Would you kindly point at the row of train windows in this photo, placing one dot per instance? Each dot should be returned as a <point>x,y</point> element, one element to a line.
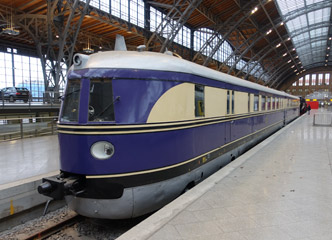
<point>266,102</point>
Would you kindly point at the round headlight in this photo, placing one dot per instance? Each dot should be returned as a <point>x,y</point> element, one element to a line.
<point>102,150</point>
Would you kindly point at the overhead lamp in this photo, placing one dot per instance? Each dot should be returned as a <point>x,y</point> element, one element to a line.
<point>268,32</point>
<point>288,39</point>
<point>330,38</point>
<point>289,61</point>
<point>297,57</point>
<point>278,45</point>
<point>295,70</point>
<point>293,49</point>
<point>297,73</point>
<point>327,55</point>
<point>285,54</point>
<point>254,10</point>
<point>282,23</point>
<point>293,66</point>
<point>328,47</point>
<point>11,31</point>
<point>88,49</point>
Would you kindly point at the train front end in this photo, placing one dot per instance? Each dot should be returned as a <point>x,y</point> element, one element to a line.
<point>105,147</point>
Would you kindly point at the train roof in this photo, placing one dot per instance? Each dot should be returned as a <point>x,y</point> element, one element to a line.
<point>163,62</point>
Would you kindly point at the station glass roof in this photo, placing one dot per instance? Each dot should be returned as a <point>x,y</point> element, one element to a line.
<point>308,23</point>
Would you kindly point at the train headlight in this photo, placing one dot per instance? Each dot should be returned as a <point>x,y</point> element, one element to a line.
<point>102,150</point>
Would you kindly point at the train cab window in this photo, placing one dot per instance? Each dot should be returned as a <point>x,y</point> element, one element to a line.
<point>101,102</point>
<point>199,101</point>
<point>263,102</point>
<point>256,103</point>
<point>268,103</point>
<point>71,101</point>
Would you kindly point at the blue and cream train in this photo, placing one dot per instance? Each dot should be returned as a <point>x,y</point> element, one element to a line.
<point>136,129</point>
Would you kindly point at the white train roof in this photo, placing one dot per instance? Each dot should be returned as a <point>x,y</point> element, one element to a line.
<point>162,62</point>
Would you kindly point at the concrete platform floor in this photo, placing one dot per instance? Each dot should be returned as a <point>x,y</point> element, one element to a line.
<point>26,158</point>
<point>279,190</point>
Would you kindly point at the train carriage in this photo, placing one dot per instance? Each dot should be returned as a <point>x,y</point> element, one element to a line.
<point>137,129</point>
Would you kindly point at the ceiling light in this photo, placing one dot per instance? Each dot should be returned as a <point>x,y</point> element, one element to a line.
<point>254,10</point>
<point>288,39</point>
<point>293,49</point>
<point>328,47</point>
<point>297,57</point>
<point>278,45</point>
<point>295,70</point>
<point>289,61</point>
<point>330,38</point>
<point>11,31</point>
<point>285,54</point>
<point>293,66</point>
<point>88,49</point>
<point>282,23</point>
<point>297,74</point>
<point>268,32</point>
<point>325,65</point>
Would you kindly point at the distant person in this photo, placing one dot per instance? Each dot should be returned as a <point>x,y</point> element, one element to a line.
<point>308,109</point>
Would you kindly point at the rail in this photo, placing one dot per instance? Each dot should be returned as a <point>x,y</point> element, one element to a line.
<point>27,127</point>
<point>322,119</point>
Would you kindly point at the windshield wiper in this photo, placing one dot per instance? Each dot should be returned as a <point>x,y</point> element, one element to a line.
<point>107,107</point>
<point>70,93</point>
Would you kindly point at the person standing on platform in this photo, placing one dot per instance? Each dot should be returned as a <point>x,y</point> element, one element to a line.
<point>309,108</point>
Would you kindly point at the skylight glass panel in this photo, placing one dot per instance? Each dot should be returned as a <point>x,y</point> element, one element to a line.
<point>300,38</point>
<point>287,6</point>
<point>310,27</point>
<point>309,2</point>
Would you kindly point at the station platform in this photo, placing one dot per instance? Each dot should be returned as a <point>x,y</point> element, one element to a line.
<point>279,190</point>
<point>26,158</point>
<point>23,163</point>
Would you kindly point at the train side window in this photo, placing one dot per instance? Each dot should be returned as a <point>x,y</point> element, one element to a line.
<point>256,103</point>
<point>277,103</point>
<point>199,101</point>
<point>228,102</point>
<point>273,103</point>
<point>248,102</point>
<point>233,104</point>
<point>268,103</point>
<point>263,102</point>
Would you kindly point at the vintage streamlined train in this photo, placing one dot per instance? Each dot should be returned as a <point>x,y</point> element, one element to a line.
<point>136,129</point>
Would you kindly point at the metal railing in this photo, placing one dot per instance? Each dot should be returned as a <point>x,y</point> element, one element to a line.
<point>27,127</point>
<point>323,119</point>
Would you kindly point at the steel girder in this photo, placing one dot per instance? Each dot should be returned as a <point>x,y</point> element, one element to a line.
<point>54,36</point>
<point>169,27</point>
<point>218,30</point>
<point>62,36</point>
<point>261,35</point>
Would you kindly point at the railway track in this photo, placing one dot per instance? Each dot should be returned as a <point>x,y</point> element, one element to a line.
<point>66,224</point>
<point>52,228</point>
